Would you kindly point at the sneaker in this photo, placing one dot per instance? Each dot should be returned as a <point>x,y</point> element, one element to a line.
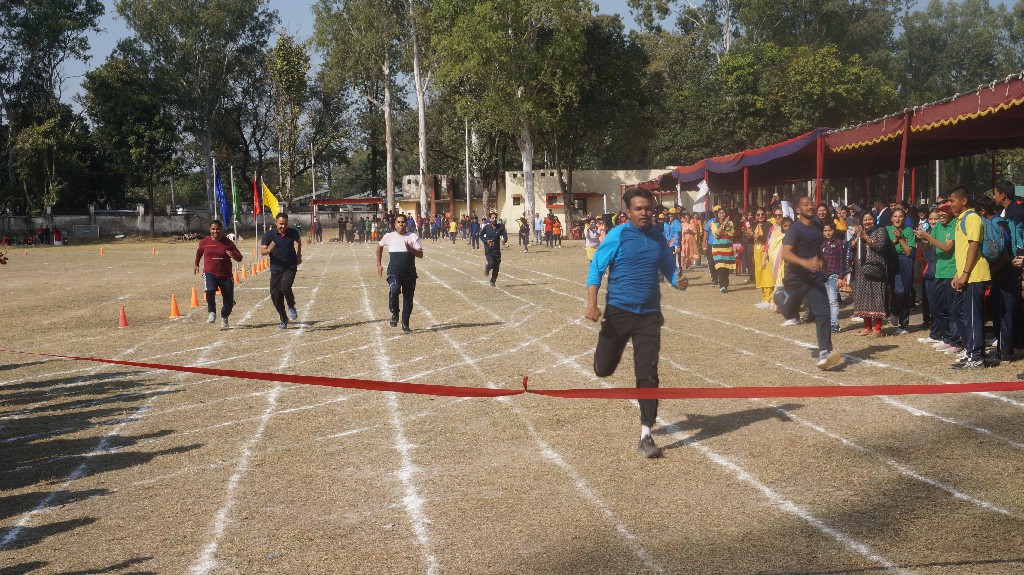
<point>992,342</point>
<point>211,317</point>
<point>762,305</point>
<point>928,340</point>
<point>492,283</point>
<point>723,289</point>
<point>969,364</point>
<point>900,331</point>
<point>394,320</point>
<point>961,355</point>
<point>293,313</point>
<point>829,359</point>
<point>940,346</point>
<point>405,328</point>
<point>954,350</point>
<point>648,448</point>
<point>790,322</point>
<point>282,325</point>
<point>835,329</point>
<point>487,271</point>
<point>224,323</point>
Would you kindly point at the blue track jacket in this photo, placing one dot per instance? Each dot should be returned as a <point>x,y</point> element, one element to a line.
<point>633,258</point>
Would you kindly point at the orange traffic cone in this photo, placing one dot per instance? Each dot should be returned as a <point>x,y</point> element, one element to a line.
<point>122,321</point>
<point>195,298</point>
<point>236,276</point>
<point>154,251</point>
<point>101,251</point>
<point>243,276</point>
<point>218,290</point>
<point>175,314</point>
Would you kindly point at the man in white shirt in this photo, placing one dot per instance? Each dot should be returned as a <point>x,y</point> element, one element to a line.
<point>403,249</point>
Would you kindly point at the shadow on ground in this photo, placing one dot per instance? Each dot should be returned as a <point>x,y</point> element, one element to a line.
<point>709,426</point>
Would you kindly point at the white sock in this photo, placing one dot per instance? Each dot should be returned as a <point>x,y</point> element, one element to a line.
<point>644,431</point>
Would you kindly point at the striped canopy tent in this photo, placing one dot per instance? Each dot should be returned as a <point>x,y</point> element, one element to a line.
<point>987,119</point>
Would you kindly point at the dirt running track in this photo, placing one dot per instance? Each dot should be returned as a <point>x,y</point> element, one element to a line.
<point>108,469</point>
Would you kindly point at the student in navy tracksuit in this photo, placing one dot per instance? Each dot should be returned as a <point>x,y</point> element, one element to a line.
<point>634,254</point>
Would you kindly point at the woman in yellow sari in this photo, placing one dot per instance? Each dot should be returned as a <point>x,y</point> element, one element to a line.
<point>763,278</point>
<point>774,253</point>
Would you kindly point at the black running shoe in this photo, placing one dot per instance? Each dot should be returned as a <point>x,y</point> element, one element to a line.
<point>394,320</point>
<point>648,448</point>
<point>405,328</point>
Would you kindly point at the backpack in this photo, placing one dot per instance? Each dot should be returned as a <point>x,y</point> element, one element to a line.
<point>993,241</point>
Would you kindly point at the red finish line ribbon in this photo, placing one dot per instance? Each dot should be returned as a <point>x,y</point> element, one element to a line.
<point>795,391</point>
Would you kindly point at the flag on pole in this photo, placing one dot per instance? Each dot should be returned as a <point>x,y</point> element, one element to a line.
<point>234,194</point>
<point>269,201</point>
<point>222,200</point>
<point>255,199</point>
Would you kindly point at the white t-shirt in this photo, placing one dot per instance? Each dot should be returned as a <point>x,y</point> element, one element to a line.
<point>401,261</point>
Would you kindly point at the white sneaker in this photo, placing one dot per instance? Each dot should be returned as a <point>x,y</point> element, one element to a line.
<point>762,305</point>
<point>790,322</point>
<point>224,323</point>
<point>829,359</point>
<point>212,317</point>
<point>928,340</point>
<point>900,331</point>
<point>992,342</point>
<point>940,345</point>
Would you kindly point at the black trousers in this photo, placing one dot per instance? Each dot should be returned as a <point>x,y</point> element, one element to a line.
<point>227,289</point>
<point>723,274</point>
<point>407,288</point>
<point>493,263</point>
<point>816,295</point>
<point>281,291</point>
<point>618,327</point>
<point>1006,297</point>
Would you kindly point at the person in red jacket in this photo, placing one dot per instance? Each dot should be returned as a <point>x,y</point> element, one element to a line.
<point>218,251</point>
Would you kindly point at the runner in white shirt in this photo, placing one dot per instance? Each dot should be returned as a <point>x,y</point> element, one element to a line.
<point>403,249</point>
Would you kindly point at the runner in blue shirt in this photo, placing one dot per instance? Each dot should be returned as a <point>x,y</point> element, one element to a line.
<point>634,254</point>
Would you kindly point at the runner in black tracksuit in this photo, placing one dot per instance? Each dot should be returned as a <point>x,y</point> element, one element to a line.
<point>491,234</point>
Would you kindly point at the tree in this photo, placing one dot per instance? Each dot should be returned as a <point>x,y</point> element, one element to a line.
<point>614,91</point>
<point>419,48</point>
<point>36,40</point>
<point>290,67</point>
<point>200,47</point>
<point>133,122</point>
<point>360,41</point>
<point>512,63</point>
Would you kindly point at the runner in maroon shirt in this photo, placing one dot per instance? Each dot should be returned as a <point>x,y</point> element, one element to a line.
<point>218,251</point>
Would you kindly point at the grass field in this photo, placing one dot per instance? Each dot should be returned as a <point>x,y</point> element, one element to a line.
<point>108,469</point>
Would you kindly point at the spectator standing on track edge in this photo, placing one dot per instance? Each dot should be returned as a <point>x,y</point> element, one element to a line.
<point>491,234</point>
<point>403,249</point>
<point>633,254</point>
<point>284,246</point>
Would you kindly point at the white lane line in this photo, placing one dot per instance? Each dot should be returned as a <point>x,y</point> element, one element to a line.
<point>207,561</point>
<point>100,447</point>
<point>782,504</point>
<point>777,500</point>
<point>901,468</point>
<point>633,542</point>
<point>407,472</point>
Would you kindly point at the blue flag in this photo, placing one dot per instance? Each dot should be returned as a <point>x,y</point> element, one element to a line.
<point>222,200</point>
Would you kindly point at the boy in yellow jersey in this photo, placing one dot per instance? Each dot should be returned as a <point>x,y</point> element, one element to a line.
<point>972,278</point>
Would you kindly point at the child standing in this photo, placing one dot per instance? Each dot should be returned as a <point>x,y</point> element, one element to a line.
<point>834,253</point>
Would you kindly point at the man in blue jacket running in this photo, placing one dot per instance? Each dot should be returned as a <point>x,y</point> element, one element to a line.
<point>634,255</point>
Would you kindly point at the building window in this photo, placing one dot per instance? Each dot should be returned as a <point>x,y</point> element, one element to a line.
<point>516,200</point>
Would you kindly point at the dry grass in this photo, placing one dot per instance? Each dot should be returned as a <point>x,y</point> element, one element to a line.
<point>120,470</point>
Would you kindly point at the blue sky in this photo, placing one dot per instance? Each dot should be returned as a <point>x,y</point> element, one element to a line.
<point>296,17</point>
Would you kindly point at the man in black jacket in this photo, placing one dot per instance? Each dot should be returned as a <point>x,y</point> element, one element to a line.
<point>490,235</point>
